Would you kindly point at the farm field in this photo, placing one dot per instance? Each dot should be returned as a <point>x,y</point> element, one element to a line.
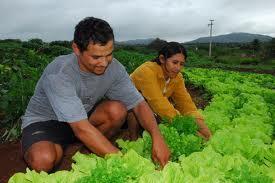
<point>239,109</point>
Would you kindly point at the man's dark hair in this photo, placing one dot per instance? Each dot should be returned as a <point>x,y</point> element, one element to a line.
<point>92,30</point>
<point>170,49</point>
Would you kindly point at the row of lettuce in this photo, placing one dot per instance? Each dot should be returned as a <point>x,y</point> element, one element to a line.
<point>241,116</point>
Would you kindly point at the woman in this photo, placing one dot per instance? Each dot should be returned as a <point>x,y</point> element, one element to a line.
<point>162,85</point>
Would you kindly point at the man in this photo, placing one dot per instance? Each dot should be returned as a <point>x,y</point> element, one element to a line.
<point>68,90</point>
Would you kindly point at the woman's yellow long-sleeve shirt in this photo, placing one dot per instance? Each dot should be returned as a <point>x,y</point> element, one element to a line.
<point>149,80</point>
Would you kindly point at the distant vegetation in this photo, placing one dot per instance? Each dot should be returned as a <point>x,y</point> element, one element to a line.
<point>254,55</point>
<point>22,63</point>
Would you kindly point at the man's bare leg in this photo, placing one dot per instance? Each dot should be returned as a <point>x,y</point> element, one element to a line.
<point>108,117</point>
<point>43,155</point>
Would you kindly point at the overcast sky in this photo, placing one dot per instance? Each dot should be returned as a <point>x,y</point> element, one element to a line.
<point>172,20</point>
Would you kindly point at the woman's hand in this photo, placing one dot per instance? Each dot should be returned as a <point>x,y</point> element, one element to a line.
<point>203,131</point>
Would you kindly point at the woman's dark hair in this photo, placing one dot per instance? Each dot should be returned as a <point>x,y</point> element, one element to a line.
<point>170,49</point>
<point>93,30</point>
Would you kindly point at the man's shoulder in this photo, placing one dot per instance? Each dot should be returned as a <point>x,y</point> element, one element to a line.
<point>115,64</point>
<point>62,60</point>
<point>61,65</point>
<point>115,68</point>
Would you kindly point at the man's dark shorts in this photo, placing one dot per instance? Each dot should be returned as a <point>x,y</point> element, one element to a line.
<point>54,131</point>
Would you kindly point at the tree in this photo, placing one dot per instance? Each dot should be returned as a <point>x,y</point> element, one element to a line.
<point>256,45</point>
<point>34,44</point>
<point>36,41</point>
<point>271,48</point>
<point>67,44</point>
<point>157,44</point>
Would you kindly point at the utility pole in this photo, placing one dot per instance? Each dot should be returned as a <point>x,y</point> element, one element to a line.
<point>210,40</point>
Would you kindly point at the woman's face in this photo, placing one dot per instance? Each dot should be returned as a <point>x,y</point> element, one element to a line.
<point>173,65</point>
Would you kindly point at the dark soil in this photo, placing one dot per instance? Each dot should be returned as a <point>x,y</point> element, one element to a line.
<point>11,160</point>
<point>272,72</point>
<point>250,70</point>
<point>199,96</point>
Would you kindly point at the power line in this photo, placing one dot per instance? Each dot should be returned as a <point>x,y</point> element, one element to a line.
<point>210,39</point>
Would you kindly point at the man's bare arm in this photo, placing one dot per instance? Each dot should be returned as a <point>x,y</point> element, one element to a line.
<point>92,138</point>
<point>145,116</point>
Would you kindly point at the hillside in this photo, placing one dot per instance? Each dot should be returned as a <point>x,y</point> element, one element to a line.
<point>233,38</point>
<point>136,42</point>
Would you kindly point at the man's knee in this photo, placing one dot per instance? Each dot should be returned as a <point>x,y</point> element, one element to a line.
<point>42,159</point>
<point>117,112</point>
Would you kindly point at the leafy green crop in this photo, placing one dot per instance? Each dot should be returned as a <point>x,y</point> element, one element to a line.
<point>184,125</point>
<point>179,143</point>
<point>241,116</point>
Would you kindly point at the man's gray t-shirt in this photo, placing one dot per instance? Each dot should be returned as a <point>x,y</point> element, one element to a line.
<point>67,94</point>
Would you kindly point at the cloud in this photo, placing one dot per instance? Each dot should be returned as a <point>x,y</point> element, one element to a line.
<point>131,19</point>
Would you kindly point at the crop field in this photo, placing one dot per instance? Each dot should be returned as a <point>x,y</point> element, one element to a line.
<point>241,116</point>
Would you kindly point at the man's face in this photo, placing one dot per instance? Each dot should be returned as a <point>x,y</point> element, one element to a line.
<point>96,58</point>
<point>173,65</point>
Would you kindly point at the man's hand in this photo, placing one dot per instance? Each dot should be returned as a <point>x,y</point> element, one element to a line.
<point>203,131</point>
<point>145,116</point>
<point>160,151</point>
